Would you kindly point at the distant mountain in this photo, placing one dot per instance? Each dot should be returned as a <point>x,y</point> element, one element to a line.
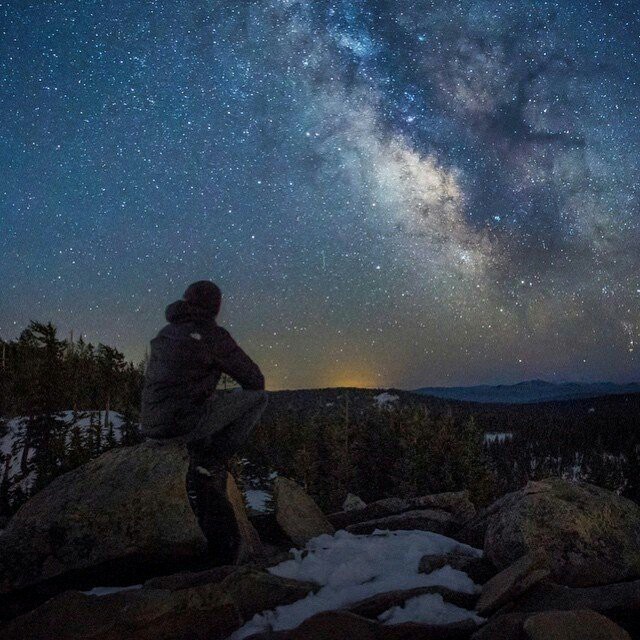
<point>530,391</point>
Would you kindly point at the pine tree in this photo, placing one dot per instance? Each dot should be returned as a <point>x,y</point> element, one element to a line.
<point>110,364</point>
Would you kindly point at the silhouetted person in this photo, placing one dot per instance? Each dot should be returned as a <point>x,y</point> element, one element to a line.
<point>180,401</point>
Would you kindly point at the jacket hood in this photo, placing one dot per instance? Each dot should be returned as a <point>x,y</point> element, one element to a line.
<point>182,311</point>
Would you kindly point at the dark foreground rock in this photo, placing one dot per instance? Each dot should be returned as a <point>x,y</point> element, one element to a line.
<point>620,602</point>
<point>344,625</point>
<point>480,570</point>
<point>194,610</point>
<point>503,627</point>
<point>511,583</point>
<point>125,513</point>
<point>200,613</point>
<point>373,606</point>
<point>453,507</point>
<point>572,625</point>
<point>590,535</point>
<point>611,599</point>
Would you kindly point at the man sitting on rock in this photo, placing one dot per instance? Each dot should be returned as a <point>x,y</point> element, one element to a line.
<point>179,399</point>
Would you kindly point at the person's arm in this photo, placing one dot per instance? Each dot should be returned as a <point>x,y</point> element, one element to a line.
<point>233,361</point>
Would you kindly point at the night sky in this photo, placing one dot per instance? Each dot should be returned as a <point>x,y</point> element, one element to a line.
<point>389,193</point>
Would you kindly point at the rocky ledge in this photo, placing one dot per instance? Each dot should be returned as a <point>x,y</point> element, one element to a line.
<point>555,561</point>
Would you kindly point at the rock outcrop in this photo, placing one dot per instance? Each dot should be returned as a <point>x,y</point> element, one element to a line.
<point>297,514</point>
<point>590,535</point>
<point>480,570</point>
<point>511,583</point>
<point>250,546</point>
<point>205,611</point>
<point>130,507</point>
<point>445,511</point>
<point>373,606</point>
<point>125,512</point>
<point>199,613</point>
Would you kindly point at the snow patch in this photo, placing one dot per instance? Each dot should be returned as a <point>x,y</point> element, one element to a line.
<point>384,399</point>
<point>257,500</point>
<point>350,568</point>
<point>429,609</point>
<point>497,436</point>
<point>105,591</point>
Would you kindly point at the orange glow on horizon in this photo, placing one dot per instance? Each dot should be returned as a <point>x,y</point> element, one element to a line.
<point>359,379</point>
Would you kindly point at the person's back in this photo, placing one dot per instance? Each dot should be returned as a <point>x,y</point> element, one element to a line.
<point>180,402</point>
<point>187,358</point>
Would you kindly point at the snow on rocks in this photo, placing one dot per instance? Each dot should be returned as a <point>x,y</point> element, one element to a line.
<point>257,500</point>
<point>352,502</point>
<point>107,591</point>
<point>351,568</point>
<point>429,608</point>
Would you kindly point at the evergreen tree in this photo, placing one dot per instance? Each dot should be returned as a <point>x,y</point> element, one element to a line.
<point>110,365</point>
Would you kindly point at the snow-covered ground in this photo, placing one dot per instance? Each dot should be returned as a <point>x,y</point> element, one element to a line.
<point>350,568</point>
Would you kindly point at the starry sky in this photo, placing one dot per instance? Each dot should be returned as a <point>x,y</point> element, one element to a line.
<point>388,192</point>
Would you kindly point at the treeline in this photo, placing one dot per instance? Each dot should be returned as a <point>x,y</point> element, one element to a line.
<point>340,441</point>
<point>374,452</point>
<point>65,401</point>
<point>42,373</point>
<point>43,379</point>
<point>595,450</point>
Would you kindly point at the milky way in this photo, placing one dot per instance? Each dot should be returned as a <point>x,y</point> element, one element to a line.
<point>389,192</point>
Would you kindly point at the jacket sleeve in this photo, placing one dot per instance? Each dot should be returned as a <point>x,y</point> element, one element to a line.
<point>233,361</point>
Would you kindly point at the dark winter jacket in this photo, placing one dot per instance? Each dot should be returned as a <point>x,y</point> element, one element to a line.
<point>187,358</point>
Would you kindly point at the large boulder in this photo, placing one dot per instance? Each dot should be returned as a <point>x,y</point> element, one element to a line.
<point>250,546</point>
<point>502,627</point>
<point>330,625</point>
<point>116,518</point>
<point>573,625</point>
<point>590,536</point>
<point>297,514</point>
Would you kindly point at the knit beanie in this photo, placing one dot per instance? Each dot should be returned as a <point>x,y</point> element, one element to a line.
<point>205,295</point>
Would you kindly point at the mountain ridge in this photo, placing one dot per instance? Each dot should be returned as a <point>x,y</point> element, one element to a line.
<point>529,391</point>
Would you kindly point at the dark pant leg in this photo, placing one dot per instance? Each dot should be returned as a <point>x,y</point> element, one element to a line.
<point>231,438</point>
<point>227,424</point>
<point>229,421</point>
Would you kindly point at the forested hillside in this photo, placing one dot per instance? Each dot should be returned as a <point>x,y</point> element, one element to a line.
<point>65,401</point>
<point>58,404</point>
